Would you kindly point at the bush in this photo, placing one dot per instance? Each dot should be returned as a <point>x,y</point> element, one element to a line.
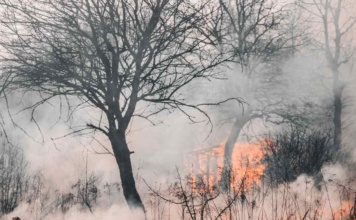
<point>294,152</point>
<point>13,178</point>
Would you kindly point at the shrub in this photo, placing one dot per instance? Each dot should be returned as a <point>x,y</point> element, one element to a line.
<point>13,177</point>
<point>294,152</point>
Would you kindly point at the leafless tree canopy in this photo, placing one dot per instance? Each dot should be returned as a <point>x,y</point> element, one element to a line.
<point>111,54</point>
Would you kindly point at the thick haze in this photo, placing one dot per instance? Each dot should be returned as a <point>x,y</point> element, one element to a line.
<point>158,150</point>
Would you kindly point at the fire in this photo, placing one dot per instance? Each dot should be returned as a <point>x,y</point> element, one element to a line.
<point>344,210</point>
<point>207,163</point>
<point>247,166</point>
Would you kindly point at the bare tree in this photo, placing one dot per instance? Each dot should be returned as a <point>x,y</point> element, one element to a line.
<point>256,34</point>
<point>126,58</point>
<point>335,24</point>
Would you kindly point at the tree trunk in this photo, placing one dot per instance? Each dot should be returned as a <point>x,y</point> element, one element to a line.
<point>337,93</point>
<point>229,148</point>
<point>122,156</point>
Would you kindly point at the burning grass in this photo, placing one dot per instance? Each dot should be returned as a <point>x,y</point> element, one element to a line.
<point>310,188</point>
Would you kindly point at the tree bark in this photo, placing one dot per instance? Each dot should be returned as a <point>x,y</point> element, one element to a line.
<point>229,148</point>
<point>122,156</point>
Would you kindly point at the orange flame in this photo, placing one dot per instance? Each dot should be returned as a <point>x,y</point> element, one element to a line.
<point>207,164</point>
<point>344,210</point>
